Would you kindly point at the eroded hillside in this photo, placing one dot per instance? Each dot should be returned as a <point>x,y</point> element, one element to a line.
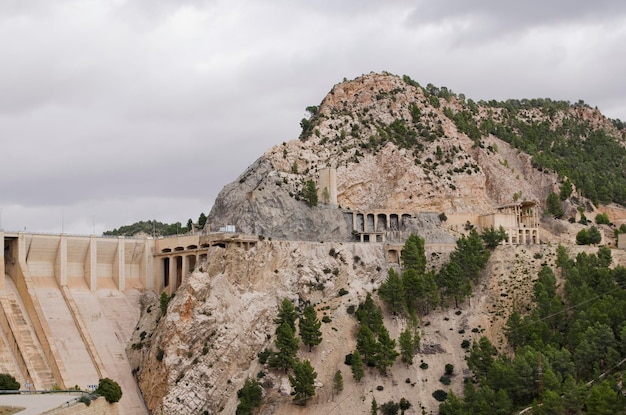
<point>395,146</point>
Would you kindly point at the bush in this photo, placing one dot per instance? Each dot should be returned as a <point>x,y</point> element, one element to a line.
<point>342,292</point>
<point>465,344</point>
<point>440,395</point>
<point>602,219</point>
<point>445,380</point>
<point>449,369</point>
<point>8,382</point>
<point>424,365</point>
<point>264,355</point>
<point>85,399</point>
<point>164,301</point>
<point>110,389</point>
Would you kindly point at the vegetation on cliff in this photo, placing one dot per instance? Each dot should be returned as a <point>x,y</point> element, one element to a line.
<point>572,335</point>
<point>573,140</point>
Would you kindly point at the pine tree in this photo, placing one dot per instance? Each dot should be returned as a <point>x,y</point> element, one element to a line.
<point>413,254</point>
<point>367,345</point>
<point>369,314</point>
<point>303,382</point>
<point>309,326</point>
<point>250,397</point>
<point>358,370</point>
<point>309,193</point>
<point>287,345</point>
<point>407,347</point>
<point>337,383</point>
<point>553,205</point>
<point>374,408</point>
<point>413,284</point>
<point>387,353</point>
<point>392,292</point>
<point>286,313</point>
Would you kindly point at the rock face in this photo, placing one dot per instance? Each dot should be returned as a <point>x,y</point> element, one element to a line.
<point>201,351</point>
<point>394,147</point>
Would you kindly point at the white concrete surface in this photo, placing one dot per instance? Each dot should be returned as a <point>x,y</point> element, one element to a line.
<point>35,404</point>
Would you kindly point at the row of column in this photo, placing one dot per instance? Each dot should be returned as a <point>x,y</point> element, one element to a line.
<point>377,222</point>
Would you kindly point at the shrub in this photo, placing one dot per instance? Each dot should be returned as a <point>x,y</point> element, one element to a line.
<point>440,395</point>
<point>449,369</point>
<point>8,382</point>
<point>602,219</point>
<point>160,355</point>
<point>445,380</point>
<point>110,389</point>
<point>424,365</point>
<point>465,344</point>
<point>164,300</point>
<point>85,399</point>
<point>263,356</point>
<point>342,291</point>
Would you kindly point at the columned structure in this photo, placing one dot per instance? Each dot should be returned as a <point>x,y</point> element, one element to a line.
<point>371,226</point>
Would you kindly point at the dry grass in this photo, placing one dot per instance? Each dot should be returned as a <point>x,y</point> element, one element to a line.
<point>9,410</point>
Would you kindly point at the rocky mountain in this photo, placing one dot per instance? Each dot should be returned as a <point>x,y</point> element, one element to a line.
<point>393,146</point>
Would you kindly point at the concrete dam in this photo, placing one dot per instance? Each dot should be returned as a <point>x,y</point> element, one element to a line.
<point>69,304</point>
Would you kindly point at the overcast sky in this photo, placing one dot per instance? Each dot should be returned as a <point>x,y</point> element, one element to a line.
<point>115,111</point>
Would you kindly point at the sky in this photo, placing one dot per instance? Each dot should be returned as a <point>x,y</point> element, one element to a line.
<point>116,111</point>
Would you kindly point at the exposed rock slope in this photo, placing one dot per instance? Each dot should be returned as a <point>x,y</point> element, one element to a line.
<point>395,147</point>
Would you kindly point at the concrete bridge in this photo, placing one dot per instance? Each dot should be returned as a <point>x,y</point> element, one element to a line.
<point>69,304</point>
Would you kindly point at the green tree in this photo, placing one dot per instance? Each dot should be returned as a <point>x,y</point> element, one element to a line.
<point>374,407</point>
<point>566,190</point>
<point>386,354</point>
<point>470,254</point>
<point>594,236</point>
<point>110,389</point>
<point>407,347</point>
<point>202,220</point>
<point>8,382</point>
<point>414,290</point>
<point>603,400</point>
<point>413,254</point>
<point>582,237</point>
<point>250,397</point>
<point>392,292</point>
<point>481,357</point>
<point>390,408</point>
<point>358,370</point>
<point>574,395</point>
<point>337,383</point>
<point>553,206</point>
<point>303,382</point>
<point>455,284</point>
<point>309,326</point>
<point>369,314</point>
<point>602,219</point>
<point>287,345</point>
<point>286,314</point>
<point>493,237</point>
<point>309,193</point>
<point>367,345</point>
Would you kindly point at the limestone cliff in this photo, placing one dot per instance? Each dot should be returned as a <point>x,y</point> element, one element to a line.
<point>395,147</point>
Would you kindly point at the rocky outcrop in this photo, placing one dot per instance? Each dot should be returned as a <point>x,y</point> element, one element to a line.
<point>394,147</point>
<point>200,352</point>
